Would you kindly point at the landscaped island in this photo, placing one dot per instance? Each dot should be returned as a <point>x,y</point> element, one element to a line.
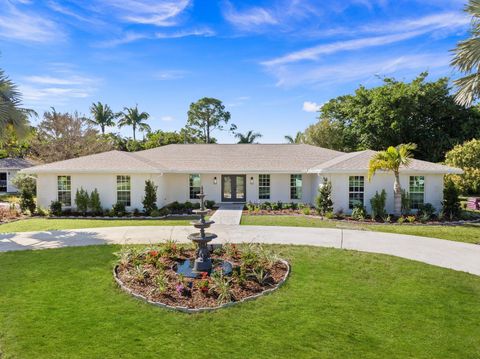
<point>151,273</point>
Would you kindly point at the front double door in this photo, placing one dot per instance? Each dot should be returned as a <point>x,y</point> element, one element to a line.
<point>234,188</point>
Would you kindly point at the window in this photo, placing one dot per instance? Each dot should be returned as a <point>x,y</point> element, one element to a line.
<point>417,191</point>
<point>194,183</point>
<point>264,186</point>
<point>3,181</point>
<point>356,188</point>
<point>123,190</point>
<point>295,186</point>
<point>64,185</point>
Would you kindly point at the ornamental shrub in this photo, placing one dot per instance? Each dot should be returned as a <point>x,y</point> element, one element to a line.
<point>405,202</point>
<point>82,200</point>
<point>378,205</point>
<point>150,200</point>
<point>27,201</point>
<point>323,201</point>
<point>118,209</point>
<point>95,205</point>
<point>451,203</point>
<point>359,212</point>
<point>56,208</point>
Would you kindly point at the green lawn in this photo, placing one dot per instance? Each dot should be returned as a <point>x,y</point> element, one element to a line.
<point>63,303</point>
<point>45,224</point>
<point>465,233</point>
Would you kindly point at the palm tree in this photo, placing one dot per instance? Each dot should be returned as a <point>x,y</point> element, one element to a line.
<point>248,137</point>
<point>103,116</point>
<point>132,117</point>
<point>391,160</point>
<point>299,138</point>
<point>11,112</point>
<point>467,60</point>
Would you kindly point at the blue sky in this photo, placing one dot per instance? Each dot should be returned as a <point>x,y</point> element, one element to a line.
<point>272,63</point>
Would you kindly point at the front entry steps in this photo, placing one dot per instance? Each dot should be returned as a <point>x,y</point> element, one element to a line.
<point>228,213</point>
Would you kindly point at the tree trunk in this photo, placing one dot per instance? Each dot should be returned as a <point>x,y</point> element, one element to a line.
<point>208,134</point>
<point>397,196</point>
<point>134,133</point>
<point>103,129</point>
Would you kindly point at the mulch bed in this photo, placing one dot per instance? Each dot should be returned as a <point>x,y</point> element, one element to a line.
<point>195,298</point>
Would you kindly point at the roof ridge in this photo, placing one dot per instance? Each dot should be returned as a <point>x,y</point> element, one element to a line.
<point>336,160</point>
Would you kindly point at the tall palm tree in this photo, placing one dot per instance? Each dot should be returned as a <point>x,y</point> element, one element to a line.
<point>11,112</point>
<point>467,59</point>
<point>132,117</point>
<point>299,138</point>
<point>391,160</point>
<point>248,137</point>
<point>103,116</point>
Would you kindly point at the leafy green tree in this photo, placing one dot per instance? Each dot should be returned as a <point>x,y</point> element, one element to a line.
<point>61,136</point>
<point>103,116</point>
<point>25,182</point>
<point>134,118</point>
<point>13,145</point>
<point>467,59</point>
<point>323,201</point>
<point>397,112</point>
<point>299,138</point>
<point>451,202</point>
<point>391,160</point>
<point>11,111</point>
<point>205,116</point>
<point>466,157</point>
<point>325,134</point>
<point>27,201</point>
<point>248,137</point>
<point>162,138</point>
<point>150,200</point>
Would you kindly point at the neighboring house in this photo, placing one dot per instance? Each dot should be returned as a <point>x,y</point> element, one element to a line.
<point>9,167</point>
<point>234,173</point>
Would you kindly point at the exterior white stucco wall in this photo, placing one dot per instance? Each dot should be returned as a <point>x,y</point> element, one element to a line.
<point>175,187</point>
<point>433,189</point>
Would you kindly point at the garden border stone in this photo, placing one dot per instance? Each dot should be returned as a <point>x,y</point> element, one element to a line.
<point>203,309</point>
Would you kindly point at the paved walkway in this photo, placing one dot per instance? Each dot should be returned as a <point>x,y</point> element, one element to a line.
<point>228,214</point>
<point>448,254</point>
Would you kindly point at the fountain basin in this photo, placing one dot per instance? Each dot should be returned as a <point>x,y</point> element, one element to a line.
<point>197,237</point>
<point>200,224</point>
<point>186,268</point>
<point>201,212</point>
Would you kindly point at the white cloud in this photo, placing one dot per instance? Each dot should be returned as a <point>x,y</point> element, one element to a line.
<point>250,18</point>
<point>165,75</point>
<point>57,88</point>
<point>309,106</point>
<point>393,32</point>
<point>206,32</point>
<point>167,118</point>
<point>360,70</point>
<point>125,39</point>
<point>149,12</point>
<point>24,25</point>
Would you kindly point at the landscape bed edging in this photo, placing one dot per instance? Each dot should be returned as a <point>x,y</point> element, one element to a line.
<point>202,309</point>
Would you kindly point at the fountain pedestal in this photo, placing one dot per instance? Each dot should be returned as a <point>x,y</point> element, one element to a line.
<point>202,262</point>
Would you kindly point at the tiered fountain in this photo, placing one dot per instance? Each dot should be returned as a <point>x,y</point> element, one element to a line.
<point>202,262</point>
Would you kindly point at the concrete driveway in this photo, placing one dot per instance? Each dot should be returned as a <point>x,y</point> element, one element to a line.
<point>448,254</point>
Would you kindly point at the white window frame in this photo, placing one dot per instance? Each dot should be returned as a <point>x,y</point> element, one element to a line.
<point>121,188</point>
<point>357,190</point>
<point>416,191</point>
<point>194,190</point>
<point>65,191</point>
<point>296,192</point>
<point>264,183</point>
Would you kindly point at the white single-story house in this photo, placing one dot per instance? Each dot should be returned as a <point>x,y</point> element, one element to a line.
<point>9,167</point>
<point>234,173</point>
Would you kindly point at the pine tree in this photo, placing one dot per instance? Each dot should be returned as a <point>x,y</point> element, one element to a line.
<point>150,200</point>
<point>323,202</point>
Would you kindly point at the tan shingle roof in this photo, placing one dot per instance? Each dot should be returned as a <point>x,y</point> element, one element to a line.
<point>222,158</point>
<point>242,158</point>
<point>358,161</point>
<point>105,162</point>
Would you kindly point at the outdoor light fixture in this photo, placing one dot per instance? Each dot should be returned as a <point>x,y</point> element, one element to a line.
<point>214,180</point>
<point>251,180</point>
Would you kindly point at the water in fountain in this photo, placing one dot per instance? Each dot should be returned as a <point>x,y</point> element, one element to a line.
<point>202,262</point>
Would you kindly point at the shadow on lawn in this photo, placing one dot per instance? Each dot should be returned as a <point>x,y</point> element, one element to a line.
<point>47,239</point>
